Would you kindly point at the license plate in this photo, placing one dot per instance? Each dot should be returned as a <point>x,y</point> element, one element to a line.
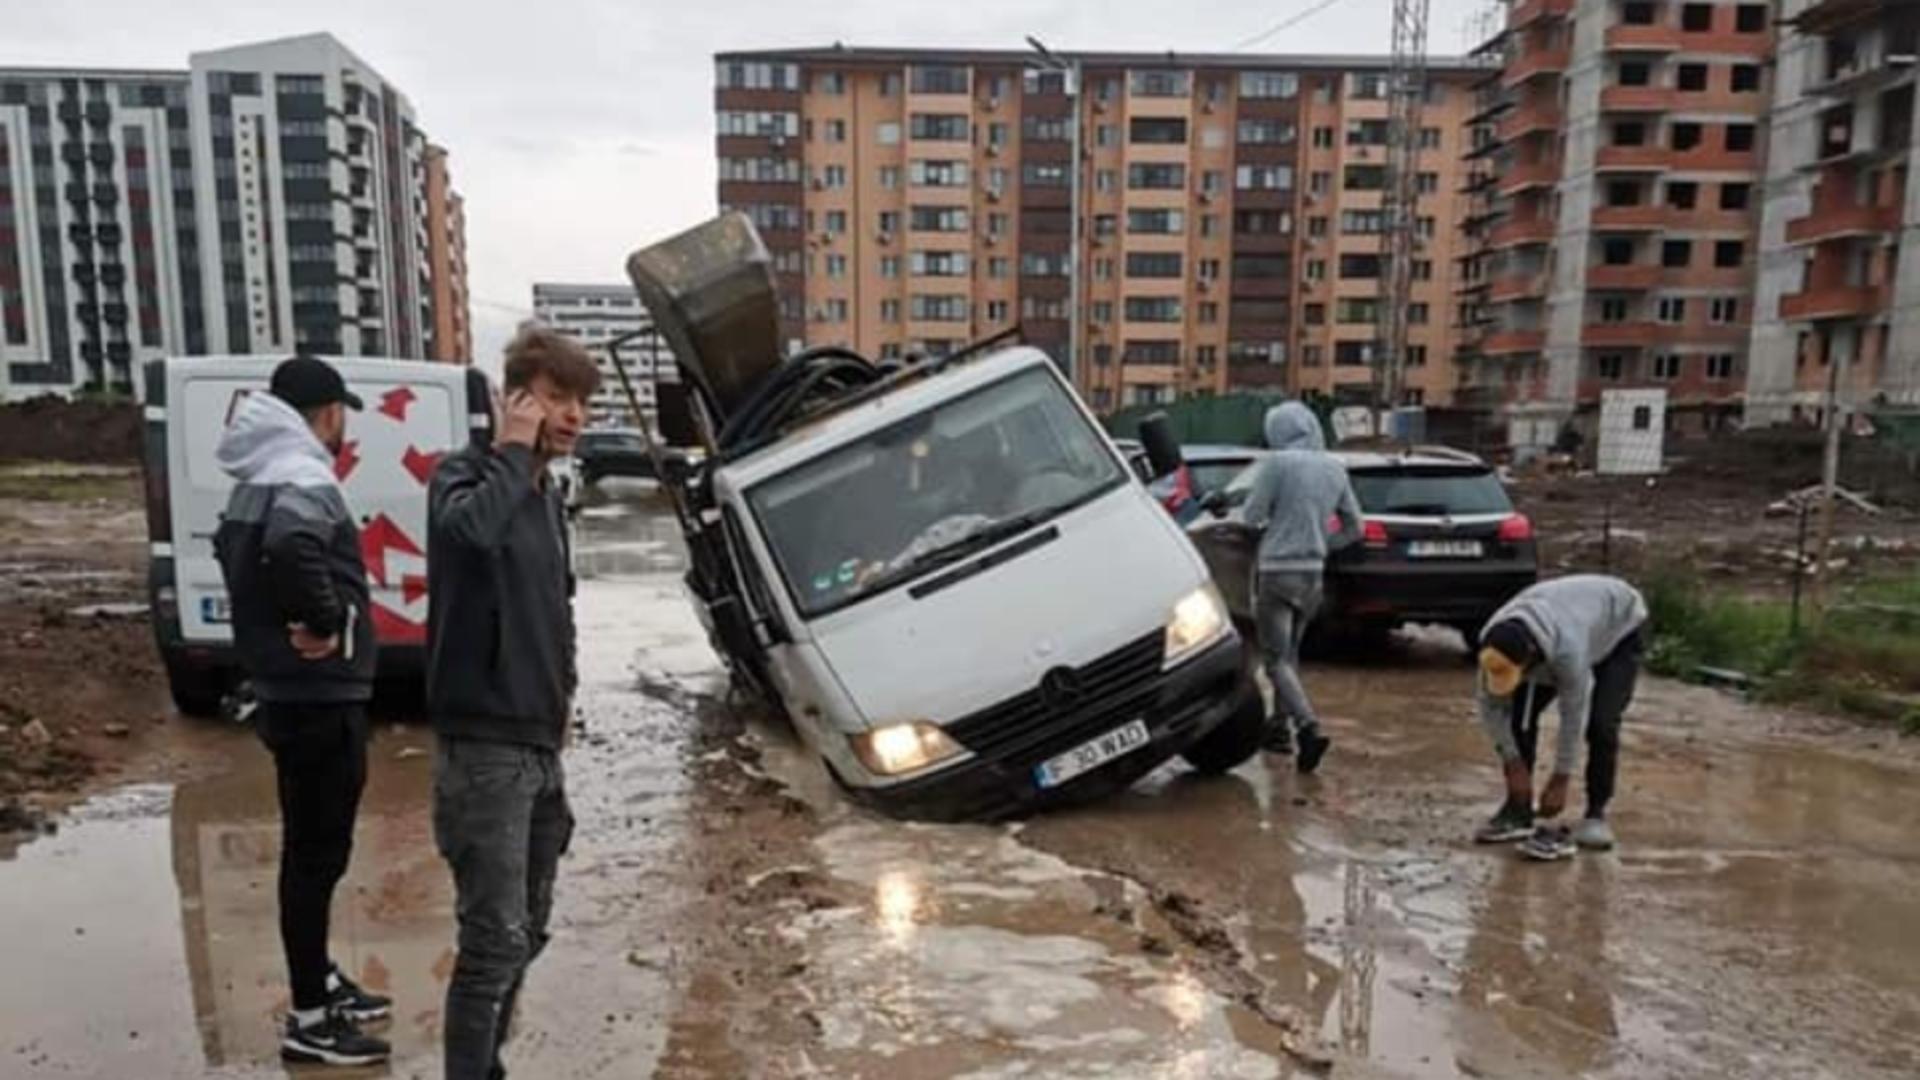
<point>1091,755</point>
<point>1445,549</point>
<point>215,610</point>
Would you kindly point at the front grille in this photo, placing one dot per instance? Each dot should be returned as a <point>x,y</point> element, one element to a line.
<point>1115,687</point>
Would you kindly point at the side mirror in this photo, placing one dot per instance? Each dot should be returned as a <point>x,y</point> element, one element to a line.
<point>1163,449</point>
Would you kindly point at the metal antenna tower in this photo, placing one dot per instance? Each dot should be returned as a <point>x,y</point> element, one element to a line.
<point>1406,94</point>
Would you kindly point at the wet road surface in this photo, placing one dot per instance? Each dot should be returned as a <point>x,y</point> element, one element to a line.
<point>725,913</point>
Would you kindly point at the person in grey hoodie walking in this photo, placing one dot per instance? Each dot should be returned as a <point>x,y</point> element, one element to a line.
<point>1577,639</point>
<point>297,590</point>
<point>1297,493</point>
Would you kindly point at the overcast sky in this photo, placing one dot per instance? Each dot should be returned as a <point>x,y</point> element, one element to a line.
<point>583,129</point>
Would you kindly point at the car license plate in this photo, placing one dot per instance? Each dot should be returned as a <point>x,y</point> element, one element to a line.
<point>1445,549</point>
<point>215,610</point>
<point>1091,755</point>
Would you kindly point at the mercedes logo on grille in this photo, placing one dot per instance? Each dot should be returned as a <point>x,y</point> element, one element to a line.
<point>1062,689</point>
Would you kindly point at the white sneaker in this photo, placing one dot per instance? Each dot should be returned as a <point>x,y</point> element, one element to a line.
<point>1594,834</point>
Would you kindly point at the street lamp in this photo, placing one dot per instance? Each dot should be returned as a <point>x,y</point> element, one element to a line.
<point>1070,70</point>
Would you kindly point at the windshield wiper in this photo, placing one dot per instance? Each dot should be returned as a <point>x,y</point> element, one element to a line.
<point>984,537</point>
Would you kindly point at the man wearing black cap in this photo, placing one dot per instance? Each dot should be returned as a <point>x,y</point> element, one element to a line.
<point>290,554</point>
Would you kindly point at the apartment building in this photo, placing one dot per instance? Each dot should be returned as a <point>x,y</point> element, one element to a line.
<point>452,334</point>
<point>1616,170</point>
<point>269,198</point>
<point>1226,209</point>
<point>597,315</point>
<point>1837,286</point>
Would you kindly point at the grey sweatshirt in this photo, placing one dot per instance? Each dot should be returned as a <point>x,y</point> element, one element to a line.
<point>1296,492</point>
<point>1576,621</point>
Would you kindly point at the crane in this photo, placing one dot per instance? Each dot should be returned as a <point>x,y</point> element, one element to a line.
<point>1399,239</point>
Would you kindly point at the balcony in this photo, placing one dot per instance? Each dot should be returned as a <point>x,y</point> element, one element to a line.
<point>113,275</point>
<point>1632,159</point>
<point>1529,174</point>
<point>101,154</point>
<point>1528,119</point>
<point>1514,287</point>
<point>108,235</point>
<point>1527,12</point>
<point>1842,302</point>
<point>69,112</point>
<point>1521,233</point>
<point>1630,218</point>
<point>1623,278</point>
<point>1636,99</point>
<point>1509,342</point>
<point>1532,63</point>
<point>99,114</point>
<point>1843,222</point>
<point>1864,75</point>
<point>1623,335</point>
<point>1625,38</point>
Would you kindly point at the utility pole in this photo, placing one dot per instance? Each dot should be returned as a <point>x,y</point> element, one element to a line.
<point>1399,239</point>
<point>1076,314</point>
<point>1829,480</point>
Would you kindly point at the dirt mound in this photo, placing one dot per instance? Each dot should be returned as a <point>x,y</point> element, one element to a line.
<point>50,429</point>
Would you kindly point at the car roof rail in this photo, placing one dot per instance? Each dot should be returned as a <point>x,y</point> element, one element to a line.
<point>1435,450</point>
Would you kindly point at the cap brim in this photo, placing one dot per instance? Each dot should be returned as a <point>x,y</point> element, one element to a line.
<point>351,400</point>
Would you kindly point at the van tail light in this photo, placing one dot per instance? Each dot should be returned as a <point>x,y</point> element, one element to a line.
<point>1374,534</point>
<point>1515,529</point>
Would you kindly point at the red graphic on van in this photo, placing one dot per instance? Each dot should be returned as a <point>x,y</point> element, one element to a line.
<point>394,402</point>
<point>346,460</point>
<point>421,464</point>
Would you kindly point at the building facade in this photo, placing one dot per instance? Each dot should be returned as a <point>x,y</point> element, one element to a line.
<point>268,199</point>
<point>1617,168</point>
<point>1837,285</point>
<point>1225,211</point>
<point>598,315</point>
<point>452,336</point>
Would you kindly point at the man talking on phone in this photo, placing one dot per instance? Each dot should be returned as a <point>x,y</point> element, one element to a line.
<point>500,682</point>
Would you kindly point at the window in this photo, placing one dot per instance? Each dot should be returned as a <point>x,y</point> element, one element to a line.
<point>1691,78</point>
<point>996,311</point>
<point>1153,264</point>
<point>890,177</point>
<point>1613,310</point>
<point>1364,178</point>
<point>1269,84</point>
<point>1696,18</point>
<point>1153,309</point>
<point>939,219</point>
<point>939,127</point>
<point>1316,226</point>
<point>1367,86</point>
<point>1746,78</point>
<point>1720,366</point>
<point>1676,254</point>
<point>1156,221</point>
<point>1612,367</point>
<point>1686,135</point>
<point>996,134</point>
<point>938,79</point>
<point>996,224</point>
<point>890,311</point>
<point>1208,269</point>
<point>1366,133</point>
<point>889,221</point>
<point>1268,131</point>
<point>1729,253</point>
<point>1040,264</point>
<point>1423,269</point>
<point>836,131</point>
<point>1103,310</point>
<point>1323,138</point>
<point>1316,270</point>
<point>1359,266</point>
<point>1416,356</point>
<point>1212,181</point>
<point>1320,183</point>
<point>934,308</point>
<point>1209,223</point>
<point>1105,135</point>
<point>1163,84</point>
<point>1623,193</point>
<point>1739,137</point>
<point>1044,174</point>
<point>1682,194</point>
<point>1157,130</point>
<point>890,84</point>
<point>1263,222</point>
<point>1352,353</point>
<point>1263,178</point>
<point>1427,183</point>
<point>1666,367</point>
<point>1310,356</point>
<point>1316,315</point>
<point>1636,73</point>
<point>1616,251</point>
<point>887,133</point>
<point>836,266</point>
<point>889,266</point>
<point>1750,18</point>
<point>1734,196</point>
<point>1156,177</point>
<point>1417,314</point>
<point>834,176</point>
<point>999,267</point>
<point>1637,13</point>
<point>1207,312</point>
<point>1723,310</point>
<point>830,82</point>
<point>1356,310</point>
<point>1262,267</point>
<point>1672,309</point>
<point>832,311</point>
<point>937,264</point>
<point>836,221</point>
<point>1105,224</point>
<point>1630,133</point>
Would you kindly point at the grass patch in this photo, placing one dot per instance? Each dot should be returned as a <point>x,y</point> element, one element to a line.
<point>46,486</point>
<point>1862,660</point>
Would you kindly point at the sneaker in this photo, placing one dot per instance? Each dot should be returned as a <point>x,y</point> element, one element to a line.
<point>1279,738</point>
<point>1549,843</point>
<point>1509,823</point>
<point>1313,747</point>
<point>1594,834</point>
<point>335,1040</point>
<point>354,1002</point>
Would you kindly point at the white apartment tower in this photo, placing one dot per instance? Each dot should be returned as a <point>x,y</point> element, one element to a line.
<point>598,315</point>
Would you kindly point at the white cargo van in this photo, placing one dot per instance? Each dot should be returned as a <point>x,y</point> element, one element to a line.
<point>415,413</point>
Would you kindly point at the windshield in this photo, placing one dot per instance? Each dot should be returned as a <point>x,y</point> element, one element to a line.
<point>929,490</point>
<point>1450,492</point>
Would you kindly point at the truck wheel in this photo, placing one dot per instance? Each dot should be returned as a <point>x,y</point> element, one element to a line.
<point>196,691</point>
<point>1236,739</point>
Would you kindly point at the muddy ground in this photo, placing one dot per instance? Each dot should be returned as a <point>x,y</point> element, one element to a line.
<point>724,913</point>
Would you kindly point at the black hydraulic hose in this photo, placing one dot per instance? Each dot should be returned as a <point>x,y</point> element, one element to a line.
<point>840,374</point>
<point>808,370</point>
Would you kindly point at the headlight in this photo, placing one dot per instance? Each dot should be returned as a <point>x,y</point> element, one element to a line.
<point>1198,621</point>
<point>903,748</point>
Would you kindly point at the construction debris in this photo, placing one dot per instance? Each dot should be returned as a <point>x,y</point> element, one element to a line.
<point>1810,496</point>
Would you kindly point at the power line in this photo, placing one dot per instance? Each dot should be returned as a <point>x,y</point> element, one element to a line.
<point>1286,24</point>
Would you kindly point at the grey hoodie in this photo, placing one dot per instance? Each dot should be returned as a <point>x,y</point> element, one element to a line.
<point>1576,621</point>
<point>1297,490</point>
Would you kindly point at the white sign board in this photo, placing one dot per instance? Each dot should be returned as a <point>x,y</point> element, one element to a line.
<point>1633,427</point>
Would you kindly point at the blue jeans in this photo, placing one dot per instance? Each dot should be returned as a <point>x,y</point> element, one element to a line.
<point>1284,602</point>
<point>500,818</point>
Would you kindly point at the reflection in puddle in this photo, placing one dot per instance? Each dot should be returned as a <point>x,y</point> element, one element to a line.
<point>896,902</point>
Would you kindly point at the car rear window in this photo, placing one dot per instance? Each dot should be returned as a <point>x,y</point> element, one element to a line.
<point>1212,475</point>
<point>1452,492</point>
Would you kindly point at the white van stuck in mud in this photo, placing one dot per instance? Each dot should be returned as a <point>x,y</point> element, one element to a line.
<point>944,573</point>
<point>415,413</point>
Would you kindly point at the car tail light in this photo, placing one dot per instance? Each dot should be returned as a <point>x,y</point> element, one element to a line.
<point>1374,534</point>
<point>1515,529</point>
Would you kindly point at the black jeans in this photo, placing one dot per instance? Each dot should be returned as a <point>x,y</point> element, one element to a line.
<point>501,819</point>
<point>320,761</point>
<point>1613,682</point>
